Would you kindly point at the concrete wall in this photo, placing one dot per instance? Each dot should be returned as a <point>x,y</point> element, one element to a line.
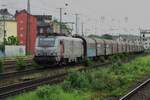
<point>14,51</point>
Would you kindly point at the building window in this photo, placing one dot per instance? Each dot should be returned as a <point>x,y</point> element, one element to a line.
<point>48,30</point>
<point>21,29</point>
<point>21,35</point>
<point>21,42</point>
<point>21,21</point>
<point>41,30</point>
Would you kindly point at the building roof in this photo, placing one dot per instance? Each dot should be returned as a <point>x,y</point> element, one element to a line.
<point>6,14</point>
<point>44,20</point>
<point>43,17</point>
<point>23,11</point>
<point>43,24</point>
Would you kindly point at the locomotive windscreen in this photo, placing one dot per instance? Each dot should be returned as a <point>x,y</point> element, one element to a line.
<point>46,42</point>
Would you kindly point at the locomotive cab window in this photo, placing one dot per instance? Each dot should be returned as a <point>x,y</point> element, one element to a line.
<point>46,42</point>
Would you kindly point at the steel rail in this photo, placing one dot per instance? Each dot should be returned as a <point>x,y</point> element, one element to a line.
<point>13,89</point>
<point>29,85</point>
<point>135,90</point>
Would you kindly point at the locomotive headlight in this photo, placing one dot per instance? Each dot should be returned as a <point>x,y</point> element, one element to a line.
<point>54,53</point>
<point>38,51</point>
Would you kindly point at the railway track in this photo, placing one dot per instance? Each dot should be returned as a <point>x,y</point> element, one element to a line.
<point>11,65</point>
<point>142,92</point>
<point>14,89</point>
<point>18,73</point>
<point>13,74</point>
<point>17,77</point>
<point>28,71</point>
<point>30,85</point>
<point>12,62</point>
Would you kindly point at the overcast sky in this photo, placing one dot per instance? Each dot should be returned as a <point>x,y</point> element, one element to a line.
<point>98,16</point>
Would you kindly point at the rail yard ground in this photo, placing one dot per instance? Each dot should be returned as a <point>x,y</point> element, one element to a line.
<point>95,84</point>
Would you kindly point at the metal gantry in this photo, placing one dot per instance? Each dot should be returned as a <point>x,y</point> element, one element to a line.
<point>28,39</point>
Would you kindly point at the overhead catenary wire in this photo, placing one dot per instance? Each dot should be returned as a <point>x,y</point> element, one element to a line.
<point>44,8</point>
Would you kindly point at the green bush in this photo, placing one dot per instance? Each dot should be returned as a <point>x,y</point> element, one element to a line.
<point>76,80</point>
<point>116,66</point>
<point>43,92</point>
<point>108,79</point>
<point>125,58</point>
<point>105,82</point>
<point>21,65</point>
<point>88,62</point>
<point>49,92</point>
<point>114,58</point>
<point>11,40</point>
<point>82,82</point>
<point>98,85</point>
<point>67,86</point>
<point>1,66</point>
<point>121,56</point>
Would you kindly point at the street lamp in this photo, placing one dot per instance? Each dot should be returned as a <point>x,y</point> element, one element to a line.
<point>3,13</point>
<point>62,16</point>
<point>4,40</point>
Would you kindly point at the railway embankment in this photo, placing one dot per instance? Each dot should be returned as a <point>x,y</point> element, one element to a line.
<point>100,83</point>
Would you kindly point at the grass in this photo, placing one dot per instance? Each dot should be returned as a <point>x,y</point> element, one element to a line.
<point>50,93</point>
<point>96,84</point>
<point>21,65</point>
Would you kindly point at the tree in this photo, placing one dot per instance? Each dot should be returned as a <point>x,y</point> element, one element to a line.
<point>107,36</point>
<point>12,41</point>
<point>94,36</point>
<point>64,26</point>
